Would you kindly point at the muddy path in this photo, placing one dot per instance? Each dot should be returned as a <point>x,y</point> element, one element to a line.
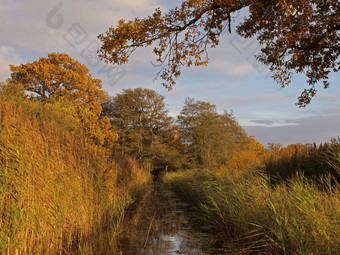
<point>164,224</point>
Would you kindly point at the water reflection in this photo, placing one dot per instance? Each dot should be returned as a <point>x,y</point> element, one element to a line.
<point>166,225</point>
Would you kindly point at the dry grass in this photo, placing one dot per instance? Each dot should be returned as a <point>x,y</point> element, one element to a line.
<point>294,217</point>
<point>56,195</point>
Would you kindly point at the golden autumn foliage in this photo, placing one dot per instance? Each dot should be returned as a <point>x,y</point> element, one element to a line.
<point>311,159</point>
<point>59,195</point>
<point>297,36</point>
<point>60,76</point>
<point>98,131</point>
<point>250,157</point>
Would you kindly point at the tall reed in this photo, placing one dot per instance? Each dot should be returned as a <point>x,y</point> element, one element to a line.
<point>294,217</point>
<point>57,195</point>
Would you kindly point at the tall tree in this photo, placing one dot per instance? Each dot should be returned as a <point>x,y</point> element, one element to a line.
<point>297,36</point>
<point>60,76</point>
<point>170,152</point>
<point>212,137</point>
<point>141,119</point>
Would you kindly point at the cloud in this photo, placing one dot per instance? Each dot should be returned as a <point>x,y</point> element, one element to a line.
<point>271,115</point>
<point>7,56</point>
<point>267,122</point>
<point>318,128</point>
<point>229,66</point>
<point>264,122</point>
<point>29,24</point>
<point>328,97</point>
<point>232,80</point>
<point>333,111</point>
<point>252,98</point>
<point>139,6</point>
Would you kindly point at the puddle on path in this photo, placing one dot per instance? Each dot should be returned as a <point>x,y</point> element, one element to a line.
<point>169,226</point>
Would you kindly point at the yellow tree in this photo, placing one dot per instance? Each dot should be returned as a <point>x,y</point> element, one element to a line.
<point>297,36</point>
<point>60,76</point>
<point>252,155</point>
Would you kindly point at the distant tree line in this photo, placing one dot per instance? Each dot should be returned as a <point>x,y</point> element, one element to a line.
<point>136,122</point>
<point>198,137</point>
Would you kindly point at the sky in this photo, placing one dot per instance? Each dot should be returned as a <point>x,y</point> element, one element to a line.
<point>233,79</point>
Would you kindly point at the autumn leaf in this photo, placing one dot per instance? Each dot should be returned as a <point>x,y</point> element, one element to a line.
<point>284,28</point>
<point>60,77</point>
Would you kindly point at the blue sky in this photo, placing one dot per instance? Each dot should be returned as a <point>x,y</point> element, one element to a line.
<point>233,80</point>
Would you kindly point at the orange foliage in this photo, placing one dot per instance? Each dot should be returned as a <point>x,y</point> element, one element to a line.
<point>296,36</point>
<point>58,188</point>
<point>251,156</point>
<point>311,159</point>
<point>60,76</point>
<point>97,131</point>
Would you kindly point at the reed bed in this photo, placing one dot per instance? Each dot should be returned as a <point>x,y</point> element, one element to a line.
<point>57,195</point>
<point>252,216</point>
